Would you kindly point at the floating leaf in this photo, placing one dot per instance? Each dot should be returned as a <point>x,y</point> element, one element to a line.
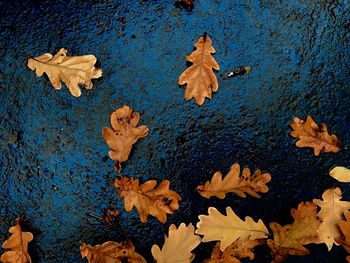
<point>314,136</point>
<point>123,135</point>
<point>229,228</point>
<point>332,211</point>
<point>18,245</point>
<point>237,250</point>
<point>341,174</point>
<point>234,183</point>
<point>111,252</point>
<point>345,229</point>
<point>177,246</point>
<point>290,239</point>
<point>72,71</point>
<point>147,198</point>
<point>200,78</point>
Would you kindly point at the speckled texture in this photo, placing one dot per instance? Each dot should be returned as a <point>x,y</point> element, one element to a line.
<point>52,166</point>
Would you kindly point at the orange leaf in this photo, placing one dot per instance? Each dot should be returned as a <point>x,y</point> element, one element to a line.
<point>18,243</point>
<point>200,78</point>
<point>290,239</point>
<point>147,198</point>
<point>124,134</point>
<point>314,136</point>
<point>111,252</point>
<point>234,183</point>
<point>344,226</point>
<point>239,249</point>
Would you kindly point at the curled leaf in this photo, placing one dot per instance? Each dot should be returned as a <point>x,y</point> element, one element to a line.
<point>229,228</point>
<point>124,134</point>
<point>236,251</point>
<point>236,183</point>
<point>111,252</point>
<point>177,246</point>
<point>200,78</point>
<point>341,174</point>
<point>290,239</point>
<point>18,245</point>
<point>314,136</point>
<point>344,226</point>
<point>332,211</point>
<point>72,71</point>
<point>147,198</point>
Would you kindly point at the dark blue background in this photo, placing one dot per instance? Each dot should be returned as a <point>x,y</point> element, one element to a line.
<point>51,148</point>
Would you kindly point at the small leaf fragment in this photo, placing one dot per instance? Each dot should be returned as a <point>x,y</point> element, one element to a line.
<point>340,173</point>
<point>177,246</point>
<point>229,228</point>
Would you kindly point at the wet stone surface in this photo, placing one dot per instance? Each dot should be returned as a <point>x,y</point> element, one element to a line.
<point>53,165</point>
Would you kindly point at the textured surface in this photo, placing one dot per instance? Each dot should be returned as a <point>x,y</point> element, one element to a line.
<point>52,165</point>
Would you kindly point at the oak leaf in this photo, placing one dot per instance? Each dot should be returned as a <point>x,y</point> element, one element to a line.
<point>124,134</point>
<point>234,183</point>
<point>290,239</point>
<point>229,228</point>
<point>332,211</point>
<point>200,78</point>
<point>236,251</point>
<point>18,243</point>
<point>344,226</point>
<point>340,173</point>
<point>111,252</point>
<point>177,246</point>
<point>314,136</point>
<point>147,198</point>
<point>72,71</point>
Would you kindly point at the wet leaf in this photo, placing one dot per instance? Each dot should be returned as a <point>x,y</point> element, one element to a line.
<point>344,226</point>
<point>72,71</point>
<point>111,252</point>
<point>200,78</point>
<point>18,245</point>
<point>290,239</point>
<point>236,183</point>
<point>177,246</point>
<point>332,211</point>
<point>236,251</point>
<point>124,134</point>
<point>309,134</point>
<point>341,174</point>
<point>229,228</point>
<point>147,198</point>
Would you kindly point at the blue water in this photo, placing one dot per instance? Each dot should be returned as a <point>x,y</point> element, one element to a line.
<point>52,165</point>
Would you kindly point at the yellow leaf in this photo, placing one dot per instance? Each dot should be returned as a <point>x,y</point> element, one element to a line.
<point>234,183</point>
<point>200,78</point>
<point>123,135</point>
<point>229,228</point>
<point>18,243</point>
<point>111,252</point>
<point>177,246</point>
<point>332,211</point>
<point>147,198</point>
<point>341,174</point>
<point>290,239</point>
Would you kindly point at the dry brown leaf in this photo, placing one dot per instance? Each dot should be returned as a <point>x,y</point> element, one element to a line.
<point>332,211</point>
<point>290,239</point>
<point>124,134</point>
<point>111,252</point>
<point>314,136</point>
<point>236,251</point>
<point>72,71</point>
<point>147,198</point>
<point>344,226</point>
<point>18,245</point>
<point>229,228</point>
<point>200,78</point>
<point>177,246</point>
<point>236,183</point>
